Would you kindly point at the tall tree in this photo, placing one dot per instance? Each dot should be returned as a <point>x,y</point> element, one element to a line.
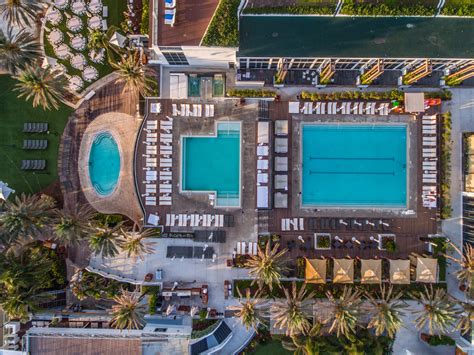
<point>73,225</point>
<point>387,311</point>
<point>127,313</point>
<point>106,240</point>
<point>292,312</point>
<point>21,13</point>
<point>101,40</point>
<point>267,266</point>
<point>133,74</point>
<point>25,218</point>
<point>18,50</point>
<point>134,245</point>
<point>438,312</point>
<point>466,317</point>
<point>465,260</point>
<point>344,311</point>
<point>249,311</point>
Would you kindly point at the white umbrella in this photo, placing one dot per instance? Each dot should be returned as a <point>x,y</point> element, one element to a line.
<point>171,308</point>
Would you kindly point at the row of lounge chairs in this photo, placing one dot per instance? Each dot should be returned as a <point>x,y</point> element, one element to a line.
<point>194,110</point>
<point>243,249</point>
<point>429,162</point>
<point>263,151</point>
<point>33,164</point>
<point>281,163</point>
<point>35,144</point>
<point>35,127</point>
<point>341,108</point>
<point>289,224</point>
<point>195,220</point>
<point>348,224</point>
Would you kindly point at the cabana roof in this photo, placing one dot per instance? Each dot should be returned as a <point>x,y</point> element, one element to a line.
<point>426,270</point>
<point>343,271</point>
<point>371,271</point>
<point>400,271</point>
<point>315,271</point>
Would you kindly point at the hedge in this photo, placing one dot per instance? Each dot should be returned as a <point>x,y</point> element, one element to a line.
<point>292,9</point>
<point>336,289</point>
<point>145,24</point>
<point>353,7</point>
<point>458,10</point>
<point>250,93</point>
<point>223,30</point>
<point>370,95</point>
<point>445,175</point>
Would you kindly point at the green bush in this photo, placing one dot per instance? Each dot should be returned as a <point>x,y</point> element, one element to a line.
<point>145,24</point>
<point>292,9</point>
<point>445,173</point>
<point>458,10</point>
<point>391,246</point>
<point>223,30</point>
<point>353,7</point>
<point>436,340</point>
<point>250,93</point>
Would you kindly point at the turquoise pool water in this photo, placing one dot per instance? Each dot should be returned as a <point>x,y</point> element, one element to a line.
<point>104,164</point>
<point>212,163</point>
<point>354,165</point>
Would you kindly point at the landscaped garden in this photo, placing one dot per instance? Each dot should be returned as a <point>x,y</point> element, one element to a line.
<point>16,112</point>
<point>223,30</point>
<point>389,7</point>
<point>458,8</point>
<point>77,38</point>
<point>299,7</point>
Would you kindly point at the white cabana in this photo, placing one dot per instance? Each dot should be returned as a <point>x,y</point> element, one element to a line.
<point>5,191</point>
<point>118,39</point>
<point>262,197</point>
<point>262,132</point>
<point>49,62</point>
<point>294,107</point>
<point>414,102</point>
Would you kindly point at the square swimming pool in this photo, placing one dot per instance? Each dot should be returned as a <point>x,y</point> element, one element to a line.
<point>212,164</point>
<point>354,165</point>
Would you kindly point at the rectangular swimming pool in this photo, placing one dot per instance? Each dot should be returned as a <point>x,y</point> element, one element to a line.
<point>351,165</point>
<point>212,164</point>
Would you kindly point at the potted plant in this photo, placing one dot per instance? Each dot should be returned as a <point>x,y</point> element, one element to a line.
<point>436,340</point>
<point>322,241</point>
<point>387,242</point>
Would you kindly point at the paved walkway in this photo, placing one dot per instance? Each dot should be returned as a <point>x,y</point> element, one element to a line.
<point>240,336</point>
<point>462,111</point>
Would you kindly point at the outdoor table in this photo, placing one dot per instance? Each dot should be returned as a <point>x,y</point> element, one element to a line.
<point>55,36</point>
<point>78,61</point>
<point>62,51</point>
<point>61,4</point>
<point>90,73</point>
<point>78,42</point>
<point>97,56</point>
<point>95,6</point>
<point>95,22</point>
<point>74,24</point>
<point>78,7</point>
<point>75,83</point>
<point>54,16</point>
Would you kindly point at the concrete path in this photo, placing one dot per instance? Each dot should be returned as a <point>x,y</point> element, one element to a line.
<point>462,112</point>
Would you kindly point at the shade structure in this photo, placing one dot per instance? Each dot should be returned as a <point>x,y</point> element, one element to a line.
<point>426,270</point>
<point>343,271</point>
<point>371,271</point>
<point>315,272</point>
<point>118,39</point>
<point>400,271</point>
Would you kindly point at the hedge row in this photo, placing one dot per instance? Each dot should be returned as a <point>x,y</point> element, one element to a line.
<point>223,30</point>
<point>250,93</point>
<point>292,9</point>
<point>352,7</point>
<point>458,10</point>
<point>370,95</point>
<point>445,175</point>
<point>145,24</point>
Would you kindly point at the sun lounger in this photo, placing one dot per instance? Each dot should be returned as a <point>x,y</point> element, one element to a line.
<point>239,248</point>
<point>244,248</point>
<point>262,178</point>
<point>318,108</point>
<point>281,145</point>
<point>262,150</point>
<point>34,164</point>
<point>220,220</point>
<point>262,164</point>
<point>35,144</point>
<point>281,164</point>
<point>323,108</point>
<point>165,201</point>
<point>361,108</point>
<point>35,127</point>
<point>255,248</point>
<point>155,107</point>
<point>355,108</point>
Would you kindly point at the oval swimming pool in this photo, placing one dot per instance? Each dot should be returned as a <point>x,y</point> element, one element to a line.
<point>104,164</point>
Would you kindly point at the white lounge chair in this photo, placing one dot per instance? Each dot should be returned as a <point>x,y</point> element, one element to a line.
<point>169,4</point>
<point>170,17</point>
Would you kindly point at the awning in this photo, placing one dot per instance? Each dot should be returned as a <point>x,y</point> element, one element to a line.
<point>414,102</point>
<point>371,271</point>
<point>343,271</point>
<point>426,270</point>
<point>400,271</point>
<point>118,39</point>
<point>315,272</point>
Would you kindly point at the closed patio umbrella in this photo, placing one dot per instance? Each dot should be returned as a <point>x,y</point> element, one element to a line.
<point>343,271</point>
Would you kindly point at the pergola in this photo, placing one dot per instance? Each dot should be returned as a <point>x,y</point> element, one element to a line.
<point>315,271</point>
<point>343,271</point>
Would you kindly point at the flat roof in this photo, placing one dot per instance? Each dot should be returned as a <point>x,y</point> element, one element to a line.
<point>356,37</point>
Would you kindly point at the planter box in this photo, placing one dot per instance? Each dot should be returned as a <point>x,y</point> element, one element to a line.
<point>319,237</point>
<point>383,238</point>
<point>278,85</point>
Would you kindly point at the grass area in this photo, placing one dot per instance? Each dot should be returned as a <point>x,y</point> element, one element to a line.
<point>273,347</point>
<point>389,7</point>
<point>115,17</point>
<point>15,112</point>
<point>299,9</point>
<point>223,30</point>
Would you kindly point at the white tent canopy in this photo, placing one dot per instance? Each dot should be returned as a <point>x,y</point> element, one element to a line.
<point>118,39</point>
<point>5,191</point>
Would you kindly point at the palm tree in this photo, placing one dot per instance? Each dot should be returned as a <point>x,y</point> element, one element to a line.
<point>437,311</point>
<point>292,312</point>
<point>99,39</point>
<point>45,86</point>
<point>343,311</point>
<point>133,75</point>
<point>24,218</point>
<point>466,260</point>
<point>249,311</point>
<point>387,311</point>
<point>127,313</point>
<point>106,241</point>
<point>466,317</point>
<point>18,50</point>
<point>132,243</point>
<point>312,343</point>
<point>22,13</point>
<point>73,225</point>
<point>267,266</point>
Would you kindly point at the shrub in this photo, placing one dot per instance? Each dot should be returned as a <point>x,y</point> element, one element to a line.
<point>223,29</point>
<point>292,9</point>
<point>458,10</point>
<point>145,24</point>
<point>390,246</point>
<point>353,7</point>
<point>202,314</point>
<point>436,340</point>
<point>250,93</point>
<point>300,268</point>
<point>324,241</point>
<point>445,173</point>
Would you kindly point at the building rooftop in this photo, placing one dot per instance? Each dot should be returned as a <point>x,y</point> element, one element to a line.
<point>361,37</point>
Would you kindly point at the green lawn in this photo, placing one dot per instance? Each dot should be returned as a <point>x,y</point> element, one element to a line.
<point>272,347</point>
<point>14,113</point>
<point>115,17</point>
